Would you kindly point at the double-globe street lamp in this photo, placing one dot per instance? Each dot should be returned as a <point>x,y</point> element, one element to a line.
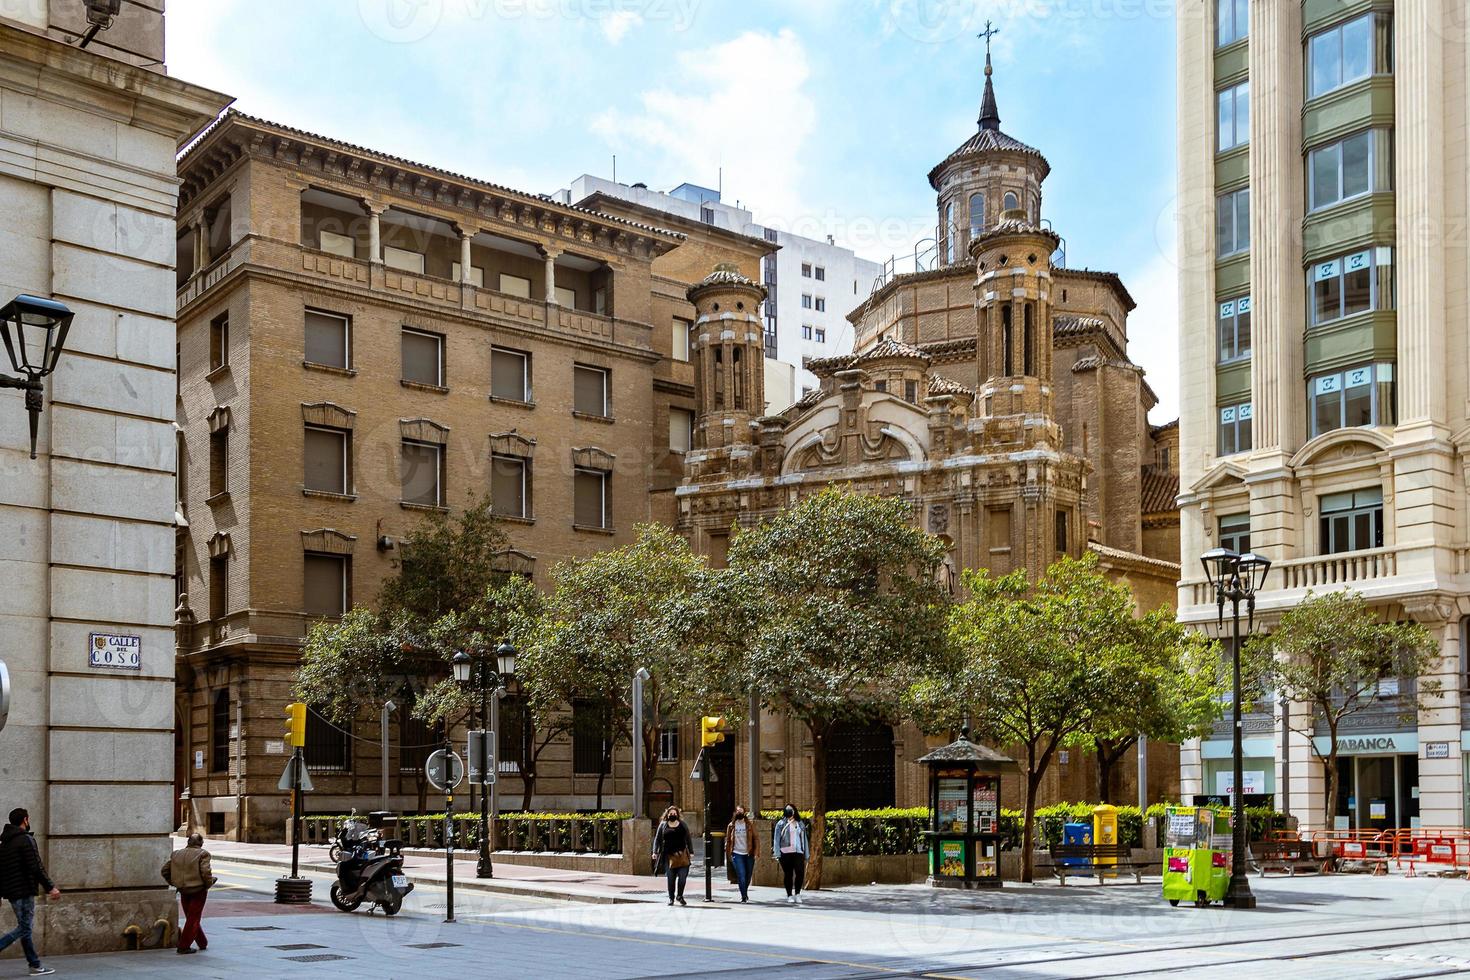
<point>486,677</point>
<point>34,331</point>
<point>1236,577</point>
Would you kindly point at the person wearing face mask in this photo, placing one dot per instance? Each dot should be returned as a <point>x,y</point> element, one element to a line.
<point>740,850</point>
<point>671,853</point>
<point>789,847</point>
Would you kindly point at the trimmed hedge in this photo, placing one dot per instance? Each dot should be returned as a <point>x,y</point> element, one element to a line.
<point>597,833</point>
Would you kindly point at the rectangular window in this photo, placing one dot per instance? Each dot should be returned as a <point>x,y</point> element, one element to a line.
<point>1060,531</point>
<point>515,285</point>
<point>219,587</point>
<point>1234,328</point>
<point>417,739</point>
<point>515,729</point>
<point>1235,532</point>
<point>1233,116</point>
<point>821,335</point>
<point>707,214</point>
<point>219,341</point>
<point>590,508</point>
<point>510,374</point>
<point>682,329</point>
<point>1232,21</point>
<point>668,743</point>
<point>403,260</point>
<point>806,301</point>
<point>327,746</point>
<point>1358,396</point>
<point>681,430</point>
<point>806,331</point>
<point>219,462</point>
<point>1351,521</point>
<point>806,270</point>
<point>423,473</point>
<point>477,275</point>
<point>510,486</point>
<point>911,392</point>
<point>328,339</point>
<point>591,739</point>
<point>327,581</point>
<point>1356,165</point>
<point>590,390</point>
<point>821,274</point>
<point>1235,428</point>
<point>340,245</point>
<point>566,296</point>
<point>821,304</point>
<point>1233,222</point>
<point>1352,284</point>
<point>327,456</point>
<point>423,357</point>
<point>1348,52</point>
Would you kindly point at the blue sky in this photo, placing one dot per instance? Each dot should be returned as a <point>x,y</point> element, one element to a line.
<point>825,116</point>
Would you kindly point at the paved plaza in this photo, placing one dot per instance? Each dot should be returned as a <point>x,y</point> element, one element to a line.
<point>1339,926</point>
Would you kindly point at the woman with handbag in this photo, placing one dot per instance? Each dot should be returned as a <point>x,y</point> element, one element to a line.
<point>671,853</point>
<point>740,851</point>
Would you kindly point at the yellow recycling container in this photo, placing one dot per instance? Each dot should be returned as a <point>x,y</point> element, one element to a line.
<point>1105,829</point>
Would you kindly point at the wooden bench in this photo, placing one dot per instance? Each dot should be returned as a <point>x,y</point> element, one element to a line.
<point>1081,860</point>
<point>1287,856</point>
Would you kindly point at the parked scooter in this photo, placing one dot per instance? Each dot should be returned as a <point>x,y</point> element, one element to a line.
<point>351,836</point>
<point>371,872</point>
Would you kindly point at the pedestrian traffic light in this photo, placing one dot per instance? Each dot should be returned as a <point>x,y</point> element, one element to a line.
<point>296,723</point>
<point>711,730</point>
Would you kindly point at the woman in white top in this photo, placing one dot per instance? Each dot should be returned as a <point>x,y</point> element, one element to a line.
<point>740,851</point>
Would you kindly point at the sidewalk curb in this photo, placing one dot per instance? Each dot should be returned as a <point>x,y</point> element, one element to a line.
<point>470,884</point>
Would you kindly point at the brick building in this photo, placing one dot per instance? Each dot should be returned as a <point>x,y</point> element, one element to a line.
<point>995,392</point>
<point>363,340</point>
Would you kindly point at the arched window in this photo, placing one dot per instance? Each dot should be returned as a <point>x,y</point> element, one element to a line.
<point>977,214</point>
<point>739,378</point>
<point>1005,339</point>
<point>948,231</point>
<point>719,378</point>
<point>1028,341</point>
<point>1011,201</point>
<point>219,732</point>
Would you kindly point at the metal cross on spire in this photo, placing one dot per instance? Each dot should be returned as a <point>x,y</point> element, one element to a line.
<point>990,31</point>
<point>989,114</point>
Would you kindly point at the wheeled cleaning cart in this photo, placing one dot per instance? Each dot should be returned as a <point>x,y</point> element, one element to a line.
<point>1197,845</point>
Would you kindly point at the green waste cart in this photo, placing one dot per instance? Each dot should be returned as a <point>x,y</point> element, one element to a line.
<point>1197,844</point>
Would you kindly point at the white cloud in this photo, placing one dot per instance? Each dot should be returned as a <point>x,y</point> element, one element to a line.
<point>1153,330</point>
<point>741,105</point>
<point>618,23</point>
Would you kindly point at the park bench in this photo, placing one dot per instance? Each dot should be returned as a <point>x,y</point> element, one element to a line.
<point>1081,860</point>
<point>1288,856</point>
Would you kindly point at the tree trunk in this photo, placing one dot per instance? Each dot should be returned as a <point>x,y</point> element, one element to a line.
<point>819,808</point>
<point>1329,778</point>
<point>528,787</point>
<point>1028,816</point>
<point>1108,754</point>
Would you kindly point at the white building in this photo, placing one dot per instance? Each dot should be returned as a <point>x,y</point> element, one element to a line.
<point>88,194</point>
<point>811,285</point>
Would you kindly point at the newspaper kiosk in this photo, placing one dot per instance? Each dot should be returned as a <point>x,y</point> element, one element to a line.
<point>964,797</point>
<point>1197,846</point>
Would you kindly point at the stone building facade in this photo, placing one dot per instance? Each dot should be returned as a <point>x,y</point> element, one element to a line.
<point>994,392</point>
<point>363,341</point>
<point>1323,339</point>
<point>87,193</point>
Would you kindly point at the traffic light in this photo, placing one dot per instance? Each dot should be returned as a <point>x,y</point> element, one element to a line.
<point>296,723</point>
<point>711,730</point>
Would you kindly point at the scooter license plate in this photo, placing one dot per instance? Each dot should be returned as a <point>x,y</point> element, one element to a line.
<point>400,881</point>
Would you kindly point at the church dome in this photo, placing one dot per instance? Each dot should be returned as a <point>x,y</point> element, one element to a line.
<point>989,138</point>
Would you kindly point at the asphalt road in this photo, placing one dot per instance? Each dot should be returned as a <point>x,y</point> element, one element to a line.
<point>1305,927</point>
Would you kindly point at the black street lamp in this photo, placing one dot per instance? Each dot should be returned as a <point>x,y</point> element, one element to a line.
<point>487,678</point>
<point>1236,577</point>
<point>34,330</point>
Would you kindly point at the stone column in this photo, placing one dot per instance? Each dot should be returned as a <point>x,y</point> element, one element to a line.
<point>201,245</point>
<point>465,234</point>
<point>375,238</point>
<point>1419,179</point>
<point>550,255</point>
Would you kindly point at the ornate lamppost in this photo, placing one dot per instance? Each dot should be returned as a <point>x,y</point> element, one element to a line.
<point>487,678</point>
<point>1236,578</point>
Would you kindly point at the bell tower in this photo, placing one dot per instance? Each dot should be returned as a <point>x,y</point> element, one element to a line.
<point>1013,300</point>
<point>729,372</point>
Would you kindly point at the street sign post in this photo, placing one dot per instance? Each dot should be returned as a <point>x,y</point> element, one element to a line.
<point>444,770</point>
<point>481,755</point>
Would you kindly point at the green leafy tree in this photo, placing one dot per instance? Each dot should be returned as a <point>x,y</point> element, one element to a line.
<point>834,609</point>
<point>1168,687</point>
<point>445,565</point>
<point>1034,664</point>
<point>607,616</point>
<point>1333,654</point>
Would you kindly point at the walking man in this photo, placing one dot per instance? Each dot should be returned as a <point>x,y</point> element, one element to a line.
<point>21,876</point>
<point>188,870</point>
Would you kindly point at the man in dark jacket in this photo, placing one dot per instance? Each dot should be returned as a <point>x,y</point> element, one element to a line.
<point>21,876</point>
